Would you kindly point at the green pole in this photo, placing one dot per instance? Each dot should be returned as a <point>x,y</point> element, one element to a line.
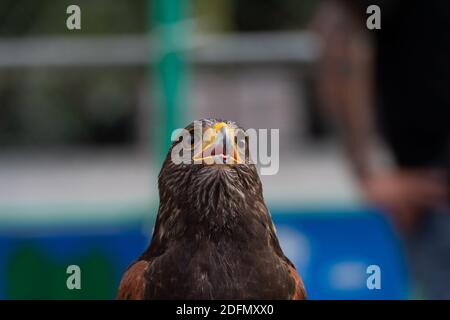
<point>170,72</point>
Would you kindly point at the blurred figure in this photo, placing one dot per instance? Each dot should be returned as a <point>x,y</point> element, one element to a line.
<point>394,81</point>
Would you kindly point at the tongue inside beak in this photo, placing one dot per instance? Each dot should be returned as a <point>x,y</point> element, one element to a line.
<point>218,146</point>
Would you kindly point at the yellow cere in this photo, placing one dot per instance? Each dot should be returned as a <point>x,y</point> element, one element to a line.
<point>220,125</point>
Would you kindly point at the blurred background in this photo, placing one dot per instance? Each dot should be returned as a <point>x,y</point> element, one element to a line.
<point>86,117</point>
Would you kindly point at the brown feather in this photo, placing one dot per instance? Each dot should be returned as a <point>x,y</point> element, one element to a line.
<point>133,284</point>
<point>300,292</point>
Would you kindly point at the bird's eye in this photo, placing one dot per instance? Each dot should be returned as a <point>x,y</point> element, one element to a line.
<point>239,142</point>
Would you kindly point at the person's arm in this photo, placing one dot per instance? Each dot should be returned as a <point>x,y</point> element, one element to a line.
<point>345,80</point>
<point>346,90</point>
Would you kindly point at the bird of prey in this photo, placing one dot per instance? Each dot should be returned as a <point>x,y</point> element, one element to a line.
<point>213,237</point>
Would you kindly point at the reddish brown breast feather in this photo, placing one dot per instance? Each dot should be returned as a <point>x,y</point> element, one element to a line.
<point>300,292</point>
<point>133,284</point>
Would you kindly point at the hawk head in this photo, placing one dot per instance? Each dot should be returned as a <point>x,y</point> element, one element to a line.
<point>216,183</point>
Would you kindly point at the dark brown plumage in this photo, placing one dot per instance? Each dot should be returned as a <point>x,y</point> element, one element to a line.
<point>213,238</point>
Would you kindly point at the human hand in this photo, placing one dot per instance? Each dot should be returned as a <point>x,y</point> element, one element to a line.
<point>406,194</point>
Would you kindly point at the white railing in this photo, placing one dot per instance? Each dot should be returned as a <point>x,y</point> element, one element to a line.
<point>284,47</point>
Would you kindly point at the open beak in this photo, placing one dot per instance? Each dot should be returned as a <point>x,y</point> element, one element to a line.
<point>218,146</point>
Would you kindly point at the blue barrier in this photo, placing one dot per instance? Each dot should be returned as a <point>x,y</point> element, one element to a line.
<point>331,251</point>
